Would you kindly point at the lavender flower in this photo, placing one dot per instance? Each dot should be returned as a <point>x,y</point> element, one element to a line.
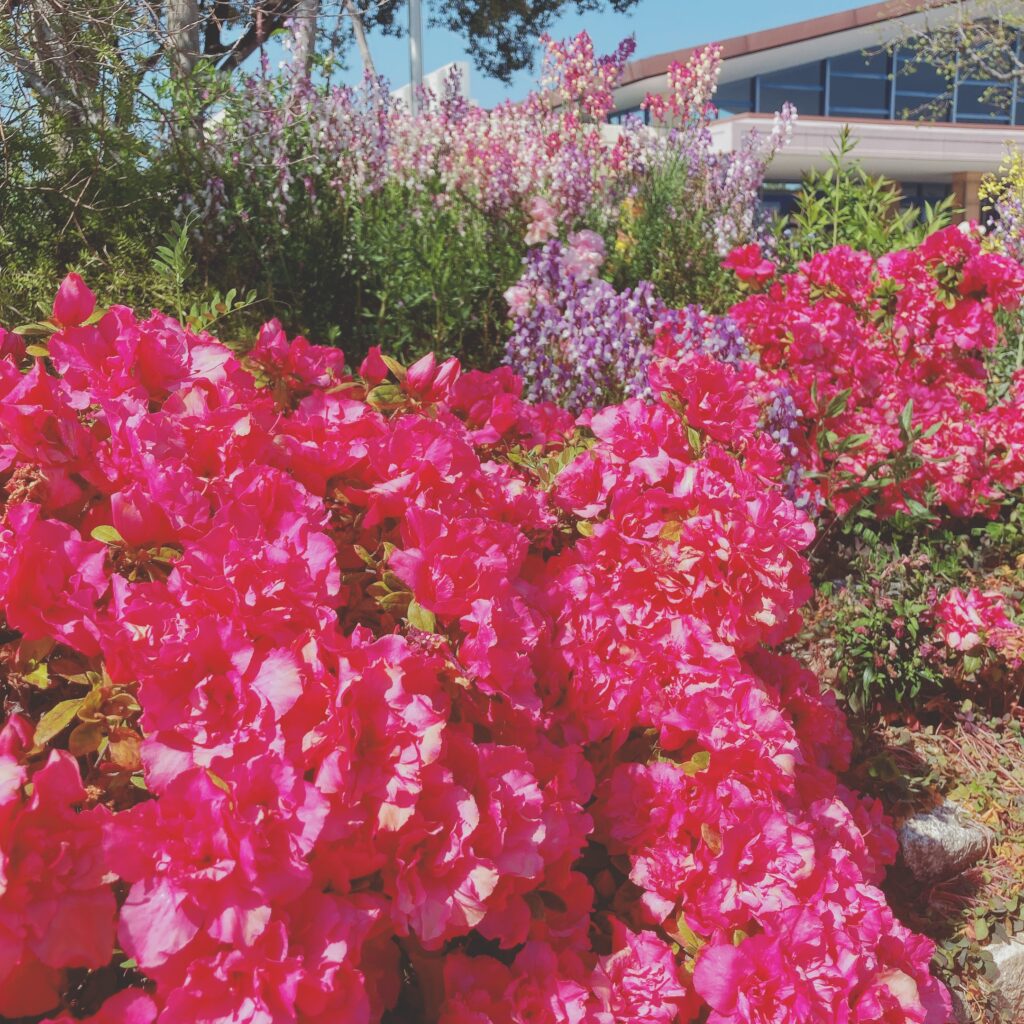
<point>575,339</point>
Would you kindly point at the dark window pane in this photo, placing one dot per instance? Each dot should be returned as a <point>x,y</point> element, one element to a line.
<point>914,75</point>
<point>922,107</point>
<point>859,63</point>
<point>806,101</point>
<point>631,113</point>
<point>982,103</point>
<point>805,75</point>
<point>735,97</point>
<point>852,95</point>
<point>778,198</point>
<point>914,195</point>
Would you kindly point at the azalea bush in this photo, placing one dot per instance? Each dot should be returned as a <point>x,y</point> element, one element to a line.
<point>885,360</point>
<point>392,696</point>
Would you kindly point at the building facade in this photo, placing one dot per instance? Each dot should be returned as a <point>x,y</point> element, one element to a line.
<point>910,124</point>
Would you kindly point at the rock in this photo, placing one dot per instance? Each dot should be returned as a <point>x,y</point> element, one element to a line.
<point>1007,980</point>
<point>941,843</point>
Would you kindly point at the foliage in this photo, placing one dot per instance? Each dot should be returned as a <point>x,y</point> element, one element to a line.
<point>969,42</point>
<point>903,615</point>
<point>844,205</point>
<point>662,236</point>
<point>415,660</point>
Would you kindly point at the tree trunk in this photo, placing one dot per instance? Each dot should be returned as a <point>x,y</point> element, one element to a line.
<point>183,22</point>
<point>304,24</point>
<point>359,31</point>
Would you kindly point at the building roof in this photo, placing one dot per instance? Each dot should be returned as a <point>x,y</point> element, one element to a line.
<point>784,35</point>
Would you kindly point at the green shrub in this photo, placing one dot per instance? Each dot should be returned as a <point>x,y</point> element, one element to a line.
<point>872,625</point>
<point>844,205</point>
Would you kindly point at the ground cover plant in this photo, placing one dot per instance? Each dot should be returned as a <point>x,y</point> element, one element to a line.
<point>391,694</point>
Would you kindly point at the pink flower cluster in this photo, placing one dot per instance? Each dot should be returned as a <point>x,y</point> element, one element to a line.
<point>453,709</point>
<point>580,77</point>
<point>691,87</point>
<point>872,351</point>
<point>968,622</point>
<point>304,145</point>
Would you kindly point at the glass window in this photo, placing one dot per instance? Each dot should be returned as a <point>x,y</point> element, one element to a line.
<point>735,97</point>
<point>860,63</point>
<point>922,92</point>
<point>858,85</point>
<point>917,76</point>
<point>982,101</point>
<point>806,101</point>
<point>803,86</point>
<point>865,96</point>
<point>806,76</point>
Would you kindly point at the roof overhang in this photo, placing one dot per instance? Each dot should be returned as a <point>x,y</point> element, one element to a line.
<point>903,150</point>
<point>864,28</point>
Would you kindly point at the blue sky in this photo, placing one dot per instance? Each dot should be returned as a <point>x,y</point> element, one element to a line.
<point>658,25</point>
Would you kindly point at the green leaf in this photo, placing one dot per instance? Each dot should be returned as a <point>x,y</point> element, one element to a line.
<point>907,418</point>
<point>39,676</point>
<point>691,941</point>
<point>698,763</point>
<point>56,720</point>
<point>365,556</point>
<point>219,782</point>
<point>39,327</point>
<point>385,394</point>
<point>838,404</point>
<point>394,366</point>
<point>106,535</point>
<point>420,617</point>
<point>696,441</point>
<point>85,738</point>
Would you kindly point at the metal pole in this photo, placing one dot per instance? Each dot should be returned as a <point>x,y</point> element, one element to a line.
<point>415,53</point>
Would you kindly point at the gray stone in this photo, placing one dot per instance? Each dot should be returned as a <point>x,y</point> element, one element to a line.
<point>941,843</point>
<point>1008,979</point>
